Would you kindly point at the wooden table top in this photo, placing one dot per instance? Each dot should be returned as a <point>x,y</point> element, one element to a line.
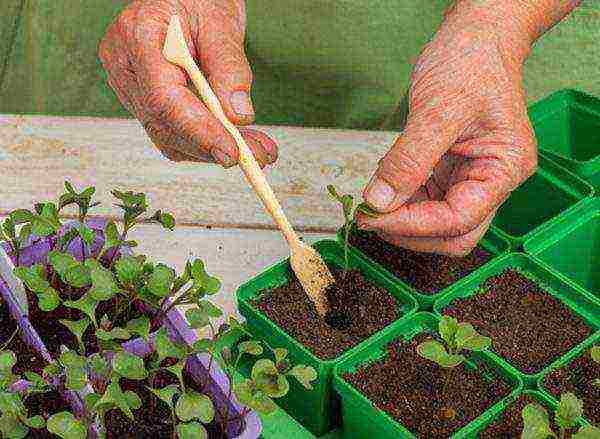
<point>218,217</point>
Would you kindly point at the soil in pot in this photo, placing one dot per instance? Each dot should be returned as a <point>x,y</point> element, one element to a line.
<point>153,419</point>
<point>358,309</point>
<point>45,405</point>
<point>510,423</point>
<point>426,272</point>
<point>529,327</point>
<point>409,389</point>
<point>27,358</point>
<point>577,378</point>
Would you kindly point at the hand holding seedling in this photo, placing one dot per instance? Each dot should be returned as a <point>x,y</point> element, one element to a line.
<point>536,424</point>
<point>155,91</point>
<point>467,142</point>
<point>457,337</point>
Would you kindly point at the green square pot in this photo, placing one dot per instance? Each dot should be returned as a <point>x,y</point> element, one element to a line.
<point>549,192</point>
<point>573,297</point>
<point>317,410</point>
<point>540,397</point>
<point>567,127</point>
<point>494,242</point>
<point>362,419</point>
<point>571,245</point>
<point>567,359</point>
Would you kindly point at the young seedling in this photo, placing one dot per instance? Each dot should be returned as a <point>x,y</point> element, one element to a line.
<point>15,421</point>
<point>457,338</point>
<point>536,423</point>
<point>595,354</point>
<point>349,212</point>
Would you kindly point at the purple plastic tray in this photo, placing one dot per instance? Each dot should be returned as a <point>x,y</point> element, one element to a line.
<point>36,251</point>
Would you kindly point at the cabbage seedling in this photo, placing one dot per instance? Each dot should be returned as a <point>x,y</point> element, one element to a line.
<point>349,212</point>
<point>457,337</point>
<point>536,423</point>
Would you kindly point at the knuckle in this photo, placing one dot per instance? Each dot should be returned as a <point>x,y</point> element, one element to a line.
<point>398,164</point>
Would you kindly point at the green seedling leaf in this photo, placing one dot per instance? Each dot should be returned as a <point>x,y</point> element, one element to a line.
<point>99,365</point>
<point>128,269</point>
<point>36,422</point>
<point>367,210</point>
<point>177,370</point>
<point>196,318</point>
<point>8,227</point>
<point>140,326</point>
<point>35,379</point>
<point>52,370</point>
<point>209,284</point>
<point>66,426</point>
<point>49,300</point>
<point>78,276</point>
<point>268,380</point>
<point>595,354</point>
<point>587,432</point>
<point>203,345</point>
<point>11,428</point>
<point>114,397</point>
<point>161,280</point>
<point>75,366</point>
<point>104,286</point>
<point>192,430</point>
<point>280,354</point>
<point>7,360</point>
<point>90,400</point>
<point>20,216</point>
<point>113,334</point>
<point>112,236</point>
<point>304,374</point>
<point>251,347</point>
<point>24,233</point>
<point>86,304</point>
<point>447,328</point>
<point>468,338</point>
<point>536,424</point>
<point>34,277</point>
<point>210,309</point>
<point>77,327</point>
<point>86,234</point>
<point>436,352</point>
<point>263,404</point>
<point>61,262</point>
<point>192,405</point>
<point>569,409</point>
<point>129,366</point>
<point>166,348</point>
<point>165,219</point>
<point>166,394</point>
<point>46,222</point>
<point>133,400</point>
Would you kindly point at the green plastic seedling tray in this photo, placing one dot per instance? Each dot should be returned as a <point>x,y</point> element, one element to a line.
<point>567,359</point>
<point>317,410</point>
<point>567,127</point>
<point>493,241</point>
<point>576,299</point>
<point>492,415</point>
<point>551,191</point>
<point>571,245</point>
<point>363,420</point>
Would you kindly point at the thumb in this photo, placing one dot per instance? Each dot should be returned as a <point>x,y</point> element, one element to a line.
<point>223,60</point>
<point>408,164</point>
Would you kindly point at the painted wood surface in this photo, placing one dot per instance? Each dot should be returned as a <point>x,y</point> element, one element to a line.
<point>38,153</point>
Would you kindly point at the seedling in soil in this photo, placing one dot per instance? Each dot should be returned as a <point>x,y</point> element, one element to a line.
<point>536,424</point>
<point>595,354</point>
<point>349,212</point>
<point>457,338</point>
<point>15,422</point>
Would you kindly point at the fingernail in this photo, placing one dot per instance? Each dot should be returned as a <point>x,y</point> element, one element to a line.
<point>222,158</point>
<point>240,102</point>
<point>380,194</point>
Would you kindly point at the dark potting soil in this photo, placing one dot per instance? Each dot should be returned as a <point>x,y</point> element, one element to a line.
<point>27,357</point>
<point>153,419</point>
<point>510,424</point>
<point>359,309</point>
<point>528,326</point>
<point>45,405</point>
<point>427,272</point>
<point>408,388</point>
<point>577,378</point>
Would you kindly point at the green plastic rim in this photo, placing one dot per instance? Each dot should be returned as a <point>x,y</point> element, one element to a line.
<point>567,126</point>
<point>569,246</point>
<point>566,360</point>
<point>362,419</point>
<point>574,298</point>
<point>493,241</point>
<point>526,212</point>
<point>317,410</point>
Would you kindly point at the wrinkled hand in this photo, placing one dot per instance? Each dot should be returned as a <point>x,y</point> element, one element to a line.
<point>156,92</point>
<point>466,145</point>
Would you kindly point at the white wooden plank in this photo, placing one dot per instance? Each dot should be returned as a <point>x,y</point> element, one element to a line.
<point>38,153</point>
